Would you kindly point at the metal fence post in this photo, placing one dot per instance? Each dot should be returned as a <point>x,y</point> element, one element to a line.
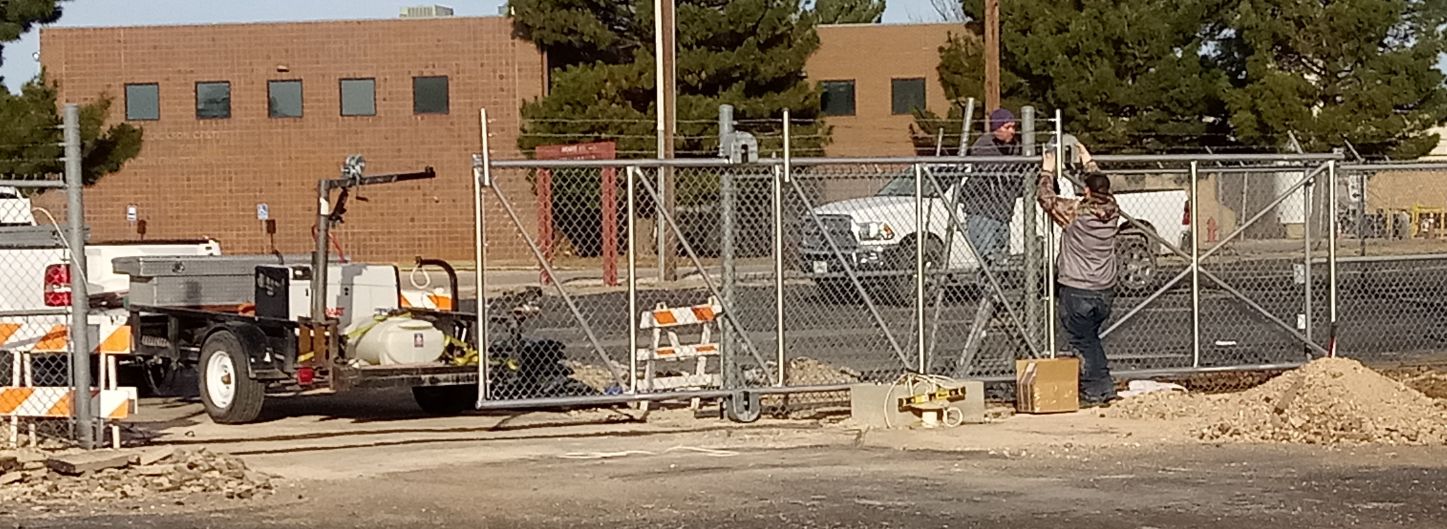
<point>1030,214</point>
<point>632,281</point>
<point>1332,233</point>
<point>778,196</point>
<point>79,297</point>
<point>1049,251</point>
<point>1307,195</point>
<point>922,232</point>
<point>481,179</point>
<point>1195,267</point>
<point>727,203</point>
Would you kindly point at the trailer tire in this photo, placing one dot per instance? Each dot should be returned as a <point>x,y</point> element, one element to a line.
<point>445,400</point>
<point>227,389</point>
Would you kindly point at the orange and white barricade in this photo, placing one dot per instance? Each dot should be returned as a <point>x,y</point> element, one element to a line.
<point>437,299</point>
<point>40,337</point>
<point>665,321</point>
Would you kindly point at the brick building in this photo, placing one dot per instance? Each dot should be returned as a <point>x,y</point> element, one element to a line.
<point>240,116</point>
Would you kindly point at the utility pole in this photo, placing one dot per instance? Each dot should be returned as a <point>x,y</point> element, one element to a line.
<point>665,52</point>
<point>992,56</point>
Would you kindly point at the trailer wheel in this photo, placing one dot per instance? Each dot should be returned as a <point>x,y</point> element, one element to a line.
<point>445,400</point>
<point>229,394</point>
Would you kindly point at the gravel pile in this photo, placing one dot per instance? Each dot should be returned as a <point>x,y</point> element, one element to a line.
<point>83,477</point>
<point>1328,401</point>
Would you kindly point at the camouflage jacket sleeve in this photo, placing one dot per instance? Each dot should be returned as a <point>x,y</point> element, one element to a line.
<point>1061,210</point>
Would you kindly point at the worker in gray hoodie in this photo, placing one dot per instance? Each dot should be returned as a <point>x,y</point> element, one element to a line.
<point>990,191</point>
<point>1086,272</point>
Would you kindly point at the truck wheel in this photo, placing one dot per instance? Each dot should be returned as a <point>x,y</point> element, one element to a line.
<point>1137,265</point>
<point>229,394</point>
<point>445,400</point>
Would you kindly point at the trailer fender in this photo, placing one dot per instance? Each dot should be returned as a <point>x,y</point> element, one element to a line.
<point>263,359</point>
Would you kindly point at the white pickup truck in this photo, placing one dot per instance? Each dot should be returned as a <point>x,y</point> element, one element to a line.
<point>35,281</point>
<point>876,236</point>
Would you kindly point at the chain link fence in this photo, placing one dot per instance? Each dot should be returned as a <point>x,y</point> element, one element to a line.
<point>802,277</point>
<point>35,315</point>
<point>45,384</point>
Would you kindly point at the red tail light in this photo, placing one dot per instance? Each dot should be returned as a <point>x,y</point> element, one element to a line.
<point>306,376</point>
<point>1186,214</point>
<point>57,285</point>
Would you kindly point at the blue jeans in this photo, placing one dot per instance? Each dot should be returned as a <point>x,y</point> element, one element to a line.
<point>1082,312</point>
<point>989,236</point>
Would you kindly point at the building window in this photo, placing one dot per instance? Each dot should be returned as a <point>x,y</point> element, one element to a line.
<point>429,95</point>
<point>143,102</point>
<point>283,99</point>
<point>906,95</point>
<point>837,98</point>
<point>359,97</point>
<point>213,100</point>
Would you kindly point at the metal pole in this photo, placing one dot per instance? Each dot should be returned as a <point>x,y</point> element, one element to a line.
<point>1030,214</point>
<point>1050,249</point>
<point>922,232</point>
<point>481,179</point>
<point>1331,253</point>
<point>632,283</point>
<point>319,253</point>
<point>79,296</point>
<point>727,203</point>
<point>778,196</point>
<point>665,55</point>
<point>1308,193</point>
<point>1195,267</point>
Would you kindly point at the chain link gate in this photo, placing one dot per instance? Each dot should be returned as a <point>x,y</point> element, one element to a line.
<point>1250,304</point>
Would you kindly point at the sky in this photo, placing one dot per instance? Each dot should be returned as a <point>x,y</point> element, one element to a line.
<point>20,64</point>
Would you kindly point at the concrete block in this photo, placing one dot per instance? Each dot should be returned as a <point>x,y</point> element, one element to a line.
<point>77,464</point>
<point>157,455</point>
<point>871,404</point>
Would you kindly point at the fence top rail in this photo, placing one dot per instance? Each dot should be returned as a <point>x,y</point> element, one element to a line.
<point>47,184</point>
<point>1180,158</point>
<point>762,162</point>
<point>1393,166</point>
<point>909,160</point>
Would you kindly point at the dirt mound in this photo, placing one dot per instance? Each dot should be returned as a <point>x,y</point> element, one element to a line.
<point>1328,401</point>
<point>170,475</point>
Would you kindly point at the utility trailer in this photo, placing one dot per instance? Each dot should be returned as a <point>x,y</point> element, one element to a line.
<point>259,325</point>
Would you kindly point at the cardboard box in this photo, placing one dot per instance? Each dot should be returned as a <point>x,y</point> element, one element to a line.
<point>1047,385</point>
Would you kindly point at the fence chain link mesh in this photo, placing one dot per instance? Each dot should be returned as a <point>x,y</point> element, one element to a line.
<point>35,370</point>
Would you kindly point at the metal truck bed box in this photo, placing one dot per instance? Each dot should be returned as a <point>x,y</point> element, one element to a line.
<point>195,280</point>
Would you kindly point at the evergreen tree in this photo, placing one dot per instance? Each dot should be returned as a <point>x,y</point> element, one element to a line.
<point>1360,70</point>
<point>30,140</point>
<point>746,53</point>
<point>1128,75</point>
<point>849,11</point>
<point>1158,75</point>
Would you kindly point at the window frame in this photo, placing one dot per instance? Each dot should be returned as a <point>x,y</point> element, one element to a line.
<point>342,97</point>
<point>301,98</point>
<point>127,90</point>
<point>894,84</point>
<point>853,96</point>
<point>229,94</point>
<point>447,95</point>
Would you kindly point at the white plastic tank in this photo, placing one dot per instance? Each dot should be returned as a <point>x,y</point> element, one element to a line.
<point>400,341</point>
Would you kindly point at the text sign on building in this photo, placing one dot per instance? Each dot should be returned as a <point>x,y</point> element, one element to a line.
<point>131,213</point>
<point>263,211</point>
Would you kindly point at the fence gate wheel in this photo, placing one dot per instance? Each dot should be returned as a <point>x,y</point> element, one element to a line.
<point>743,407</point>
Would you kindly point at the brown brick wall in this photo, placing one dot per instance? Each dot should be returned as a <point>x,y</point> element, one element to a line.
<point>871,55</point>
<point>205,177</point>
